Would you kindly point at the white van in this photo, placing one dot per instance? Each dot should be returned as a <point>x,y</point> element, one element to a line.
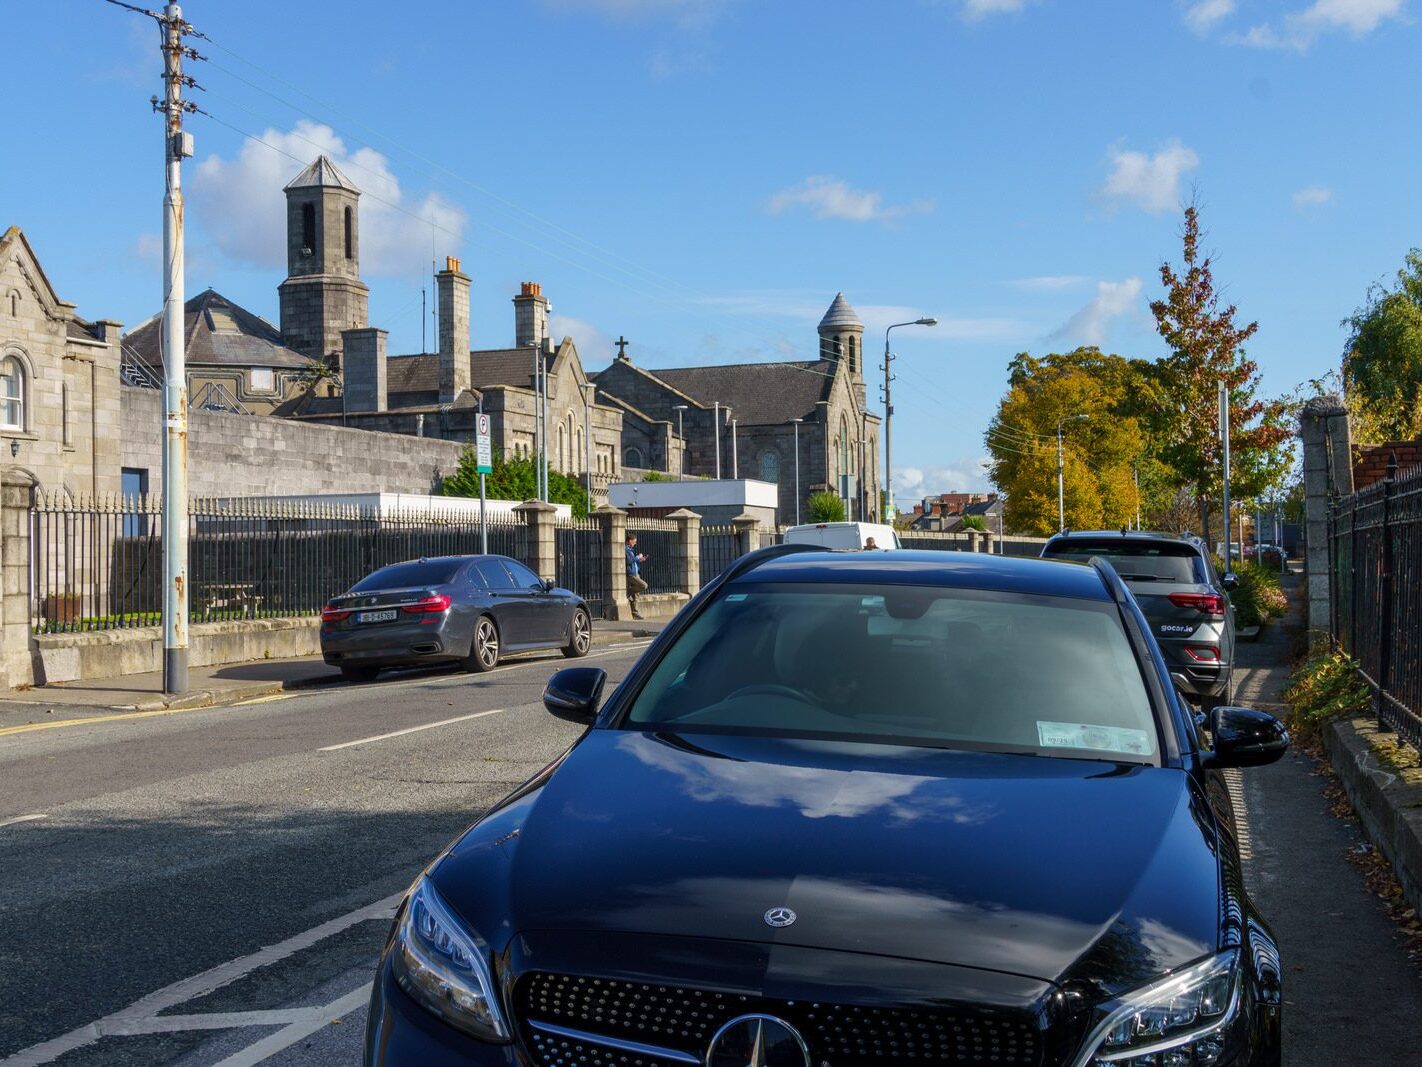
<point>844,536</point>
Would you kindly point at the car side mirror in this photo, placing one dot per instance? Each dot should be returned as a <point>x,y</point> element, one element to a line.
<point>1231,581</point>
<point>1243,737</point>
<point>548,585</point>
<point>575,691</point>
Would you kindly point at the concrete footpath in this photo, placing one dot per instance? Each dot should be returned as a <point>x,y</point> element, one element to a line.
<point>230,683</point>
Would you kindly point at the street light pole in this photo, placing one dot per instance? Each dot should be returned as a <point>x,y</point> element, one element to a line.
<point>889,405</point>
<point>1224,442</point>
<point>588,388</point>
<point>1061,467</point>
<point>681,433</point>
<point>717,420</point>
<point>735,456</point>
<point>537,423</point>
<point>797,469</point>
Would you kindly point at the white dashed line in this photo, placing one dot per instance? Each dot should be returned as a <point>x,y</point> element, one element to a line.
<point>21,818</point>
<point>411,730</point>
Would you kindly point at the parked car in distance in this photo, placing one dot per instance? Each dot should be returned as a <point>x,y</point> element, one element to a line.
<point>467,609</point>
<point>819,823</point>
<point>1184,598</point>
<point>845,536</point>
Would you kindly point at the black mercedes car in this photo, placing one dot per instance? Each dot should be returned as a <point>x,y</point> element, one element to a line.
<point>857,810</point>
<point>466,609</point>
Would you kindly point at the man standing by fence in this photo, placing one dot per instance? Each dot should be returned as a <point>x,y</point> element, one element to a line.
<point>635,585</point>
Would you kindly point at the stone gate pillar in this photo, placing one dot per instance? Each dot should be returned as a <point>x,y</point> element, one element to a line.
<point>541,519</point>
<point>1328,475</point>
<point>614,561</point>
<point>688,528</point>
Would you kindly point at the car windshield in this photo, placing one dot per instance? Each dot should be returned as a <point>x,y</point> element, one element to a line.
<point>409,575</point>
<point>1138,561</point>
<point>1051,676</point>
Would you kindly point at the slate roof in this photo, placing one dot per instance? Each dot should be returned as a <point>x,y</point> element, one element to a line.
<point>758,394</point>
<point>840,314</point>
<point>217,332</point>
<point>321,172</point>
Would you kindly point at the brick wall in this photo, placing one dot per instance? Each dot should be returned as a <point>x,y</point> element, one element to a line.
<point>1370,461</point>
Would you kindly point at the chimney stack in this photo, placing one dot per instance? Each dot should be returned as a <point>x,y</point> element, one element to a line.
<point>453,287</point>
<point>363,365</point>
<point>531,316</point>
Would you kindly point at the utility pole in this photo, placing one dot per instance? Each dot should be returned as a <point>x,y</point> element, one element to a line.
<point>1224,444</point>
<point>797,469</point>
<point>177,146</point>
<point>1061,468</point>
<point>927,320</point>
<point>680,409</point>
<point>735,458</point>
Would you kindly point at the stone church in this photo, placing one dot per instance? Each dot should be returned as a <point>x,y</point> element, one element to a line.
<point>326,364</point>
<point>759,407</point>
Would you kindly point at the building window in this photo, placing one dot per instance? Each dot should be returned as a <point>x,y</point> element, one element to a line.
<point>12,394</point>
<point>632,457</point>
<point>262,380</point>
<point>853,354</point>
<point>65,435</point>
<point>769,467</point>
<point>14,301</point>
<point>308,229</point>
<point>350,233</point>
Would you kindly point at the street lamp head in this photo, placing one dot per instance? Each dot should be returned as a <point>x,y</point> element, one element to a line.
<point>928,321</point>
<point>678,407</point>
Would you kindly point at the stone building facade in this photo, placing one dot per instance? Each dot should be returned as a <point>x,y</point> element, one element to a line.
<point>671,418</point>
<point>59,424</point>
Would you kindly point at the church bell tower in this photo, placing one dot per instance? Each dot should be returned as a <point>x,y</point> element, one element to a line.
<point>323,293</point>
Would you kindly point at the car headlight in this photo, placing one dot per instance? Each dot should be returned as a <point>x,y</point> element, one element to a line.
<point>1178,1021</point>
<point>444,966</point>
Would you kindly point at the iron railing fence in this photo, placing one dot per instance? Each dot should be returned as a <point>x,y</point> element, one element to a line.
<point>658,540</point>
<point>934,542</point>
<point>720,547</point>
<point>581,550</point>
<point>1375,572</point>
<point>97,564</point>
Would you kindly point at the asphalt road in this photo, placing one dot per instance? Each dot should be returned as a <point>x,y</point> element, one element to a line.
<point>213,886</point>
<point>137,853</point>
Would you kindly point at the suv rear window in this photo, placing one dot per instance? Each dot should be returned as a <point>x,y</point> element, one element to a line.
<point>1138,561</point>
<point>409,575</point>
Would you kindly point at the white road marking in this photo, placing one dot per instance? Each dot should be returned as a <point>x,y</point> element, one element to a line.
<point>21,818</point>
<point>411,730</point>
<point>286,1037</point>
<point>148,1007</point>
<point>265,700</point>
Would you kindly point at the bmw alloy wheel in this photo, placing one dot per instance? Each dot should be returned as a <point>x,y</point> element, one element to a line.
<point>484,650</point>
<point>580,635</point>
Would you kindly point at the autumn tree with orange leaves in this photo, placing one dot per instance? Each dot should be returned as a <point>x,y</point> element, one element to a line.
<point>1206,348</point>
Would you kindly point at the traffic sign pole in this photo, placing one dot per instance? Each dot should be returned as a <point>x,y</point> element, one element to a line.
<point>484,460</point>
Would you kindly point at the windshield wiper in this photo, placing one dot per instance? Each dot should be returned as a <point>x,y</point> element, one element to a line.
<point>1139,577</point>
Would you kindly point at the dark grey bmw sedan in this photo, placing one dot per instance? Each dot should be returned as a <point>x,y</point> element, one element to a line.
<point>466,609</point>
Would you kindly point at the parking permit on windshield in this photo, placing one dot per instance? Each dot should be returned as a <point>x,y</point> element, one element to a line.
<point>1100,738</point>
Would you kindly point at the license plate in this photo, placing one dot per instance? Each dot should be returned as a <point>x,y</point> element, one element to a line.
<point>388,615</point>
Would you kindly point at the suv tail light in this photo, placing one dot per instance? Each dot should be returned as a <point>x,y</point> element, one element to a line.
<point>331,613</point>
<point>438,602</point>
<point>1203,653</point>
<point>1208,603</point>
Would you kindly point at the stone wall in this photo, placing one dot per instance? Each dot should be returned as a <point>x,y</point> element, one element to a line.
<point>254,455</point>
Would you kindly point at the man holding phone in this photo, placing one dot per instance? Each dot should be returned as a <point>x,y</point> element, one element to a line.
<point>635,584</point>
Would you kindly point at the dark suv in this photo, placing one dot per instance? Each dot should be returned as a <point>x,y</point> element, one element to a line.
<point>1182,595</point>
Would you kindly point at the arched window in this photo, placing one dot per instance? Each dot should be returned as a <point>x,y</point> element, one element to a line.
<point>770,466</point>
<point>562,460</point>
<point>632,457</point>
<point>853,354</point>
<point>350,233</point>
<point>308,229</point>
<point>12,394</point>
<point>14,302</point>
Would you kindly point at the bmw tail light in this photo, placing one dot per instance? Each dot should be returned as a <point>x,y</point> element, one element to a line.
<point>331,613</point>
<point>1206,603</point>
<point>428,604</point>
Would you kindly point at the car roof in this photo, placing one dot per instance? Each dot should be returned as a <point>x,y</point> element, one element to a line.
<point>953,570</point>
<point>1125,535</point>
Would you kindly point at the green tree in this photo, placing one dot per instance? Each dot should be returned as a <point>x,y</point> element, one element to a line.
<point>1206,348</point>
<point>825,506</point>
<point>1382,360</point>
<point>513,479</point>
<point>1100,451</point>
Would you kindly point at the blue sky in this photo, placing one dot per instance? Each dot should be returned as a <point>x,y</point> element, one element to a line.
<point>703,175</point>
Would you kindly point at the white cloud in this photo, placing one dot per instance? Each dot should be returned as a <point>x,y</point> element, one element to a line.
<point>1152,183</point>
<point>966,475</point>
<point>830,198</point>
<point>1313,196</point>
<point>980,9</point>
<point>1203,15</point>
<point>1301,29</point>
<point>1092,324</point>
<point>239,203</point>
<point>1048,283</point>
<point>594,347</point>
